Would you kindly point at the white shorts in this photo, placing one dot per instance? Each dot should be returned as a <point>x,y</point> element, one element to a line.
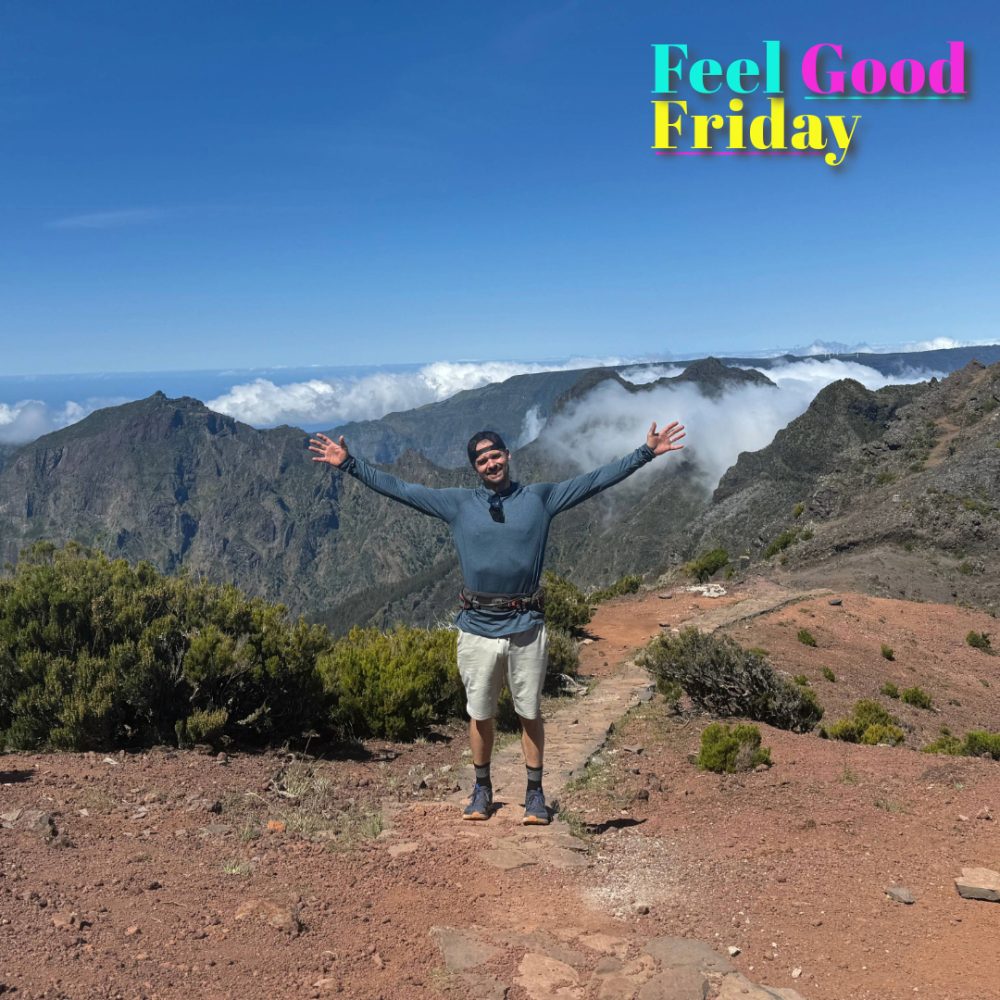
<point>482,662</point>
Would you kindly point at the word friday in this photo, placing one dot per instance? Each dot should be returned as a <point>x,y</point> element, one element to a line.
<point>826,75</point>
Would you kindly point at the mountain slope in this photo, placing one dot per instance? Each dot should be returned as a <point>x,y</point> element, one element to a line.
<point>898,487</point>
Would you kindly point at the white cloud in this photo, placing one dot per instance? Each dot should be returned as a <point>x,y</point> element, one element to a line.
<point>935,344</point>
<point>650,373</point>
<point>610,421</point>
<point>327,402</point>
<point>30,418</point>
<point>818,373</point>
<point>531,428</point>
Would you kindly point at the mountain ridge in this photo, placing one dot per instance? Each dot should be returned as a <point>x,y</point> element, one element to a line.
<point>186,488</point>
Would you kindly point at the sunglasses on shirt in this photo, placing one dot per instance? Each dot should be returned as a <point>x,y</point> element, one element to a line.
<point>496,508</point>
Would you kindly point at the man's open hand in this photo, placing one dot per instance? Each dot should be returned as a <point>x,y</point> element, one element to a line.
<point>663,441</point>
<point>329,451</point>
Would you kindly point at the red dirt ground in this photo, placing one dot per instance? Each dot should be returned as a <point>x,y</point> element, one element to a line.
<point>138,892</point>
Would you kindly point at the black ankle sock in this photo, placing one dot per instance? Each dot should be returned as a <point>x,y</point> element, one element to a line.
<point>534,778</point>
<point>483,775</point>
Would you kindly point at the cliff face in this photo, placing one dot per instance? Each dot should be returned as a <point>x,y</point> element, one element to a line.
<point>907,474</point>
<point>172,482</point>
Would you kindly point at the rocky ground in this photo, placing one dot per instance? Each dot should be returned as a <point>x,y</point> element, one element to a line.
<point>170,874</point>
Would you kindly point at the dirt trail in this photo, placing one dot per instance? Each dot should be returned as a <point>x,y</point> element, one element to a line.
<point>575,950</point>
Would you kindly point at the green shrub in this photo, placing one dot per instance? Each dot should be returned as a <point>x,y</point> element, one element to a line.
<point>945,744</point>
<point>869,723</point>
<point>846,730</point>
<point>671,692</point>
<point>95,653</point>
<point>829,675</point>
<point>392,684</point>
<point>890,690</point>
<point>806,637</point>
<point>721,677</point>
<point>917,697</point>
<point>779,544</point>
<point>623,585</point>
<point>564,657</point>
<point>727,750</point>
<point>566,606</point>
<point>798,510</point>
<point>201,726</point>
<point>869,712</point>
<point>801,680</point>
<point>707,564</point>
<point>980,743</point>
<point>887,652</point>
<point>980,640</point>
<point>889,735</point>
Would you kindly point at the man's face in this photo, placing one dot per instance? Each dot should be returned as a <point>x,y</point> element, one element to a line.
<point>492,465</point>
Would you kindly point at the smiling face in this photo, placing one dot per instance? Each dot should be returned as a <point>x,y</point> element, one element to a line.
<point>492,466</point>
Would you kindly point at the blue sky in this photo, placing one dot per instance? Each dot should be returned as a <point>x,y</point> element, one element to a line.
<point>190,185</point>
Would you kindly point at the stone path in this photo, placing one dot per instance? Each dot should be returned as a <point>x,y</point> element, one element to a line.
<point>572,961</point>
<point>573,734</point>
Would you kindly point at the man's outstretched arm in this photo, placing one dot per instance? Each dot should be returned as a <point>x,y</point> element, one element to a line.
<point>573,491</point>
<point>436,503</point>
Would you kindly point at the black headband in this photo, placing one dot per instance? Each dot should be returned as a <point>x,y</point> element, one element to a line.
<point>490,436</point>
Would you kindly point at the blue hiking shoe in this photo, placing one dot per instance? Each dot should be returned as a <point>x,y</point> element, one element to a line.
<point>536,813</point>
<point>480,803</point>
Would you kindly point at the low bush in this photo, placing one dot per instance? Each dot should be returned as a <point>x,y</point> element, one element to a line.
<point>917,697</point>
<point>725,679</point>
<point>980,640</point>
<point>890,690</point>
<point>877,734</point>
<point>829,675</point>
<point>392,684</point>
<point>801,680</point>
<point>564,657</point>
<point>887,652</point>
<point>806,637</point>
<point>566,606</point>
<point>671,692</point>
<point>707,564</point>
<point>726,749</point>
<point>980,743</point>
<point>781,542</point>
<point>977,743</point>
<point>869,723</point>
<point>96,653</point>
<point>946,743</point>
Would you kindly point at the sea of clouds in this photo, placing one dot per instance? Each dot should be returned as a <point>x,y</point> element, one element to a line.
<point>610,421</point>
<point>30,408</point>
<point>325,403</point>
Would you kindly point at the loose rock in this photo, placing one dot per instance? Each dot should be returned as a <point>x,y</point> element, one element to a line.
<point>901,894</point>
<point>979,883</point>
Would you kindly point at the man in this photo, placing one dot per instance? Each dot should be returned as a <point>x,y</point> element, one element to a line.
<point>500,530</point>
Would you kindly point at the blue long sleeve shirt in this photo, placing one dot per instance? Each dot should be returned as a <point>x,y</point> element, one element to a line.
<point>502,557</point>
